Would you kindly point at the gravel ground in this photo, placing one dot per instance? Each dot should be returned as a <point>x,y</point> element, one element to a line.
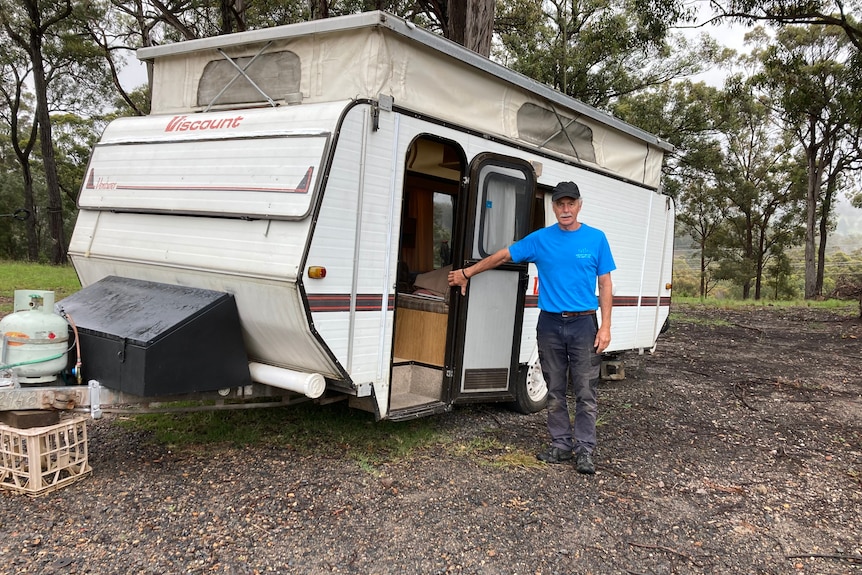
<point>735,449</point>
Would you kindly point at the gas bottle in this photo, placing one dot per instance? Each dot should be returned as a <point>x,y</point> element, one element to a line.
<point>35,339</point>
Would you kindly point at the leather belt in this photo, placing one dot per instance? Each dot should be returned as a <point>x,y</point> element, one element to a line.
<point>576,313</point>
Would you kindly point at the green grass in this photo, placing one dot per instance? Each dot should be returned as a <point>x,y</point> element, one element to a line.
<point>333,430</point>
<point>488,450</point>
<point>307,428</point>
<point>678,313</point>
<point>731,304</point>
<point>62,280</point>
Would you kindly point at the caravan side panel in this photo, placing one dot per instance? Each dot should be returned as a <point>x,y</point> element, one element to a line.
<point>197,239</point>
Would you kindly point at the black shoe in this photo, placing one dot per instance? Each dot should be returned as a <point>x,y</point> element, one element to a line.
<point>584,463</point>
<point>554,455</point>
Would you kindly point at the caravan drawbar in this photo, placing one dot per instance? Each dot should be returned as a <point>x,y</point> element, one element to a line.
<point>282,222</point>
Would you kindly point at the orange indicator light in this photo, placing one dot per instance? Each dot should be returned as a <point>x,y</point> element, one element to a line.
<point>316,272</point>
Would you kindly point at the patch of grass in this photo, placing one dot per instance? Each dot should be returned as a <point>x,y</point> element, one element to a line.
<point>489,450</point>
<point>678,313</point>
<point>751,303</point>
<point>516,458</point>
<point>62,280</point>
<point>307,428</point>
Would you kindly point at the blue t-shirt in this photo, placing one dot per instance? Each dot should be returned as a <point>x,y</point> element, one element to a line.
<point>569,262</point>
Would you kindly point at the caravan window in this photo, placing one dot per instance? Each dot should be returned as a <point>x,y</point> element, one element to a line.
<point>276,74</point>
<point>549,129</point>
<point>265,177</point>
<point>505,194</point>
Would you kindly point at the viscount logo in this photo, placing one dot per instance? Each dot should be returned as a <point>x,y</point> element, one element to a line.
<point>183,124</point>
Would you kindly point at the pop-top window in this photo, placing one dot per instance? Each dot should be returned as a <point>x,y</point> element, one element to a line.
<point>276,74</point>
<point>556,132</point>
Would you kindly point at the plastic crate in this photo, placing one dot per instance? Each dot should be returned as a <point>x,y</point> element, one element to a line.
<point>41,459</point>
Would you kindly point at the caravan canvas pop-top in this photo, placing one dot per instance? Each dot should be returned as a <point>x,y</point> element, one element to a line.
<point>308,186</point>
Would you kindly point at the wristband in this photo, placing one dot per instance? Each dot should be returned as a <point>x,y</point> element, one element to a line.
<point>463,273</point>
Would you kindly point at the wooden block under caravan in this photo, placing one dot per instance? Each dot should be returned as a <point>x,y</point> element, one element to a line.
<point>26,419</point>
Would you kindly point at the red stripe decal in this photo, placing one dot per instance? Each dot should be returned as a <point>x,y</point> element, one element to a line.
<point>341,302</point>
<point>532,301</point>
<point>371,302</point>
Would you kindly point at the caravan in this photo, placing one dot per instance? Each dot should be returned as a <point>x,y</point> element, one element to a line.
<point>325,176</point>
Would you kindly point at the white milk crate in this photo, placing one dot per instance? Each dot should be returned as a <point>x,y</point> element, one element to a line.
<point>42,459</point>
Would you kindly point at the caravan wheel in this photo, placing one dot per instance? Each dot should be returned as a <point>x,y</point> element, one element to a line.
<point>532,393</point>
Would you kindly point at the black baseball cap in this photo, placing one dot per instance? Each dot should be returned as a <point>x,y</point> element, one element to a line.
<point>566,190</point>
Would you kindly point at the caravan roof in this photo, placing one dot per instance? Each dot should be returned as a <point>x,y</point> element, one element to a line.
<point>374,54</point>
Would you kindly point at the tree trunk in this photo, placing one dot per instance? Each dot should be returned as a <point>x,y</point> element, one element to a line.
<point>319,9</point>
<point>810,221</point>
<point>55,201</point>
<point>758,268</point>
<point>825,210</point>
<point>30,206</point>
<point>471,24</point>
<point>227,26</point>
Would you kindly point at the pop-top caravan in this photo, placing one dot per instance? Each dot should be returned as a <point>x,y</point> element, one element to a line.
<point>282,222</point>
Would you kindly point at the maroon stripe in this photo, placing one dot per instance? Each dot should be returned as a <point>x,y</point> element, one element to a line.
<point>341,302</point>
<point>532,301</point>
<point>371,302</point>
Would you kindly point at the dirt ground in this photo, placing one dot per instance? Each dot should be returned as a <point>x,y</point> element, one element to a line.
<point>735,449</point>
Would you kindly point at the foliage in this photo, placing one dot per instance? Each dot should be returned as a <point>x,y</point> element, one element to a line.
<point>756,180</point>
<point>804,73</point>
<point>597,50</point>
<point>814,13</point>
<point>685,279</point>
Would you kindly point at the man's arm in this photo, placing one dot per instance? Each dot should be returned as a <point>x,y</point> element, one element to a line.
<point>462,276</point>
<point>606,302</point>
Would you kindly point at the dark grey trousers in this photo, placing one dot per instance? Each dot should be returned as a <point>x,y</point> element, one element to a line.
<point>566,350</point>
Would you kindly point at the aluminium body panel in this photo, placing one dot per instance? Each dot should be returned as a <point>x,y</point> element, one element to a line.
<point>356,239</point>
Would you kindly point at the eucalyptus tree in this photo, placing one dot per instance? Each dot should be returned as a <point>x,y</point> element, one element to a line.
<point>841,14</point>
<point>757,182</point>
<point>64,74</point>
<point>691,117</point>
<point>806,75</point>
<point>596,50</point>
<point>20,124</point>
<point>27,23</point>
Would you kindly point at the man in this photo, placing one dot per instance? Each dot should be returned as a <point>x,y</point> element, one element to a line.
<point>571,258</point>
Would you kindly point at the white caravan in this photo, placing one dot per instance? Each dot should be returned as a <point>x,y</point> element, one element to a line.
<point>327,174</point>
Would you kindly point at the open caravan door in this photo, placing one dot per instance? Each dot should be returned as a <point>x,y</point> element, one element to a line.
<point>488,333</point>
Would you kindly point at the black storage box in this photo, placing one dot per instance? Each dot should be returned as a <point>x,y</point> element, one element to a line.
<point>152,339</point>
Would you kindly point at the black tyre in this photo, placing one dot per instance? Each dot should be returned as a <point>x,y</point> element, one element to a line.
<point>531,394</point>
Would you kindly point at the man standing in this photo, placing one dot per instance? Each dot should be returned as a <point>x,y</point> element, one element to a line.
<point>571,258</point>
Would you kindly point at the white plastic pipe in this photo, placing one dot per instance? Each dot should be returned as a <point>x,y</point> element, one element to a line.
<point>309,384</point>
